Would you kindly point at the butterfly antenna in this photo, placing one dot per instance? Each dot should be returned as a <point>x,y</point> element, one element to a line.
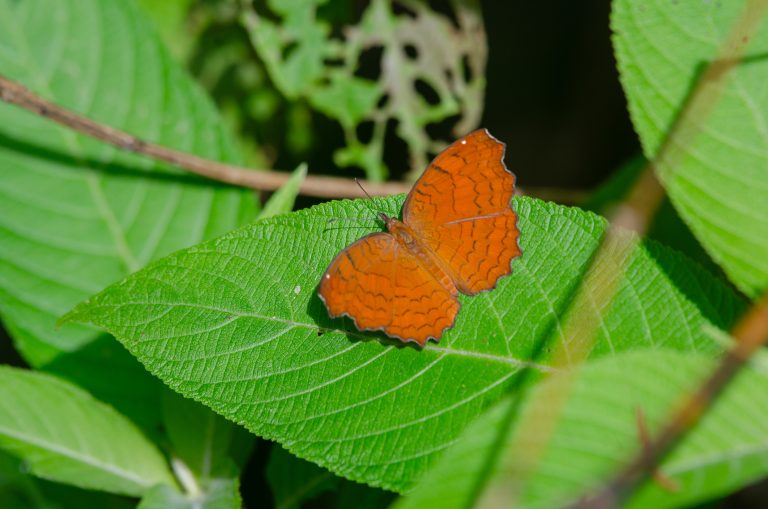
<point>357,181</point>
<point>380,215</point>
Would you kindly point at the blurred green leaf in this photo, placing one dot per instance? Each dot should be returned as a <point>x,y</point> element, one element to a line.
<point>221,494</point>
<point>597,432</point>
<point>294,480</point>
<point>90,446</point>
<point>347,99</point>
<point>283,199</point>
<point>111,374</point>
<point>236,323</point>
<point>77,215</point>
<point>666,226</point>
<point>199,438</point>
<point>720,180</point>
<point>294,49</point>
<point>19,490</point>
<point>169,17</point>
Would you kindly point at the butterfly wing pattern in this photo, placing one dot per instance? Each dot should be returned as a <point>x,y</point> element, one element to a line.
<point>459,234</point>
<point>461,207</point>
<point>382,286</point>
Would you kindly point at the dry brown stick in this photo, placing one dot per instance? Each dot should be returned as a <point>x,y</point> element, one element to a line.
<point>750,333</point>
<point>321,186</point>
<point>264,180</point>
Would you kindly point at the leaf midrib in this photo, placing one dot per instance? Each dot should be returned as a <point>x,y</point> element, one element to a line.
<point>292,323</point>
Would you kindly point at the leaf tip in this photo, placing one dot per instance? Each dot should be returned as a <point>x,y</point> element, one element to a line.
<point>76,314</point>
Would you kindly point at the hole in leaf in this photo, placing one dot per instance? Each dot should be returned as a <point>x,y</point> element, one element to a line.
<point>440,7</point>
<point>466,69</point>
<point>425,90</point>
<point>364,131</point>
<point>401,10</point>
<point>443,130</point>
<point>397,155</point>
<point>369,63</point>
<point>289,50</point>
<point>333,62</point>
<point>411,51</point>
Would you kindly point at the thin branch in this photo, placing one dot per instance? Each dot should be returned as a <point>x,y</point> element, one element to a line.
<point>320,186</point>
<point>15,93</point>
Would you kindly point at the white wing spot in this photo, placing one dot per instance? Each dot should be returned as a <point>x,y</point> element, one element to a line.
<point>296,289</point>
<point>463,142</point>
<point>327,276</point>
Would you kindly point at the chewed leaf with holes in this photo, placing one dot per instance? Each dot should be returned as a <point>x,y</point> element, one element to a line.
<point>717,179</point>
<point>77,215</point>
<point>236,323</point>
<point>432,69</point>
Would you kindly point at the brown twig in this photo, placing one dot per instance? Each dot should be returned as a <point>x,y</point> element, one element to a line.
<point>320,186</point>
<point>15,93</point>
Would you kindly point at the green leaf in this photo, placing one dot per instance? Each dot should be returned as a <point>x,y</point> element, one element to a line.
<point>75,214</point>
<point>236,323</point>
<point>293,51</point>
<point>19,490</point>
<point>598,433</point>
<point>111,374</point>
<point>348,99</point>
<point>294,480</point>
<point>199,438</point>
<point>282,201</point>
<point>719,183</point>
<point>666,227</point>
<point>221,494</point>
<point>63,434</point>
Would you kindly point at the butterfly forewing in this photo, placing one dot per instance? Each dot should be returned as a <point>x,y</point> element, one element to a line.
<point>461,209</point>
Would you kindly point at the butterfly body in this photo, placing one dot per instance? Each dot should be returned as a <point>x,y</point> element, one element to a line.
<point>458,235</point>
<point>409,240</point>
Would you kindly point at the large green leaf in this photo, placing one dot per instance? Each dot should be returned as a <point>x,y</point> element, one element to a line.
<point>63,434</point>
<point>719,182</point>
<point>236,323</point>
<point>76,215</point>
<point>598,432</point>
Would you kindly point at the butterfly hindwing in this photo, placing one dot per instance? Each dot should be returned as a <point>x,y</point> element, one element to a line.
<point>382,286</point>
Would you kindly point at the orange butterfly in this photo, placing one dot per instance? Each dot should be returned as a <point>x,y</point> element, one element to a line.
<point>458,234</point>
